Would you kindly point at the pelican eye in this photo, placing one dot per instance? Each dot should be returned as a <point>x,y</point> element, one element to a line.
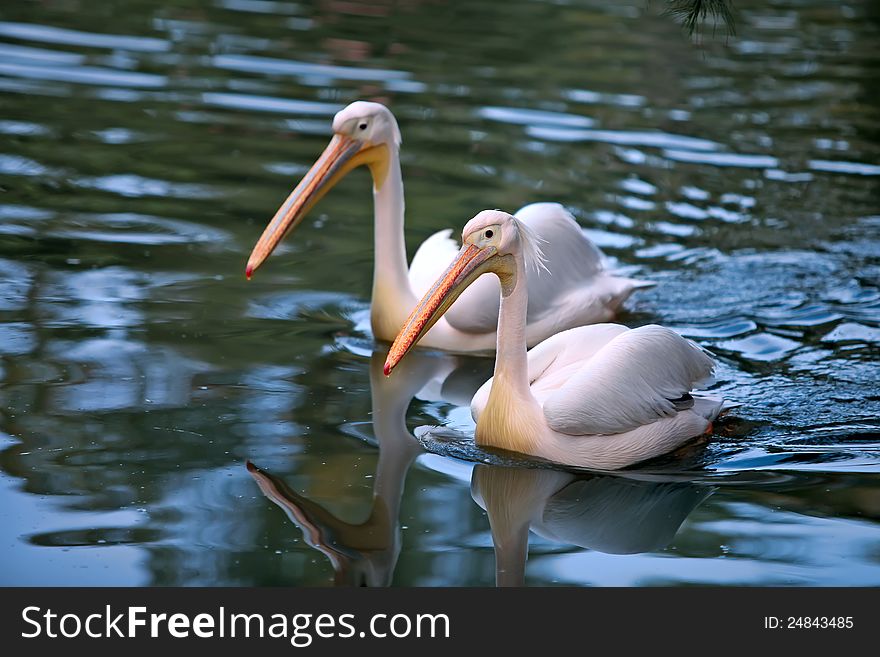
<point>362,126</point>
<point>489,234</point>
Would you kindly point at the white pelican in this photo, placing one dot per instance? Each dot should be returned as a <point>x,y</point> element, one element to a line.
<point>578,290</point>
<point>601,396</point>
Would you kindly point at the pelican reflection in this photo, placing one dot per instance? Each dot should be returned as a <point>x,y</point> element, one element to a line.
<point>607,513</point>
<point>366,553</point>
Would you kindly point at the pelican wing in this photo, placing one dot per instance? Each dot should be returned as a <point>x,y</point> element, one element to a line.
<point>575,289</point>
<point>637,378</point>
<point>573,262</point>
<point>555,360</point>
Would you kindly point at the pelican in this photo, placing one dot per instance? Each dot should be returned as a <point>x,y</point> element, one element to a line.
<point>577,291</point>
<point>601,396</point>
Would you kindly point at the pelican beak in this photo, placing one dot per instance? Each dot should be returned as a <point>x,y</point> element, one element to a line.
<point>470,263</point>
<point>342,154</point>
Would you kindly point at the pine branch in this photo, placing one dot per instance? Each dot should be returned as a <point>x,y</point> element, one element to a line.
<point>692,13</point>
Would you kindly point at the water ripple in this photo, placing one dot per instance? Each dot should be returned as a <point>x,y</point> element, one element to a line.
<point>852,332</point>
<point>96,537</point>
<point>17,165</point>
<point>132,185</point>
<point>130,228</point>
<point>725,328</point>
<point>49,34</point>
<point>626,138</point>
<point>84,75</point>
<point>268,65</point>
<point>722,159</point>
<point>16,339</point>
<point>596,98</point>
<point>686,210</point>
<point>533,117</point>
<point>836,166</point>
<point>287,305</point>
<point>762,347</point>
<point>260,6</point>
<point>270,104</point>
<point>637,186</point>
<point>39,55</point>
<point>805,316</point>
<point>22,128</point>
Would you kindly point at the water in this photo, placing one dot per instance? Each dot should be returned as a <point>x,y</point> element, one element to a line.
<point>142,150</point>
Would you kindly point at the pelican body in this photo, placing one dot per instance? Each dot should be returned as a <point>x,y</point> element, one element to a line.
<point>577,291</point>
<point>601,396</point>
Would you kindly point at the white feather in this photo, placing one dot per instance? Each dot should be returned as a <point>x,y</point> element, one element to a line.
<point>628,383</point>
<point>568,285</point>
<point>530,244</point>
<point>432,258</point>
<point>554,360</point>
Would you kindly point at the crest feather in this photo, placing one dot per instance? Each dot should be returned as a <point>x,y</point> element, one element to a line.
<point>530,244</point>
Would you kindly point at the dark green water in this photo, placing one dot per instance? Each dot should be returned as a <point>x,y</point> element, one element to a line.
<point>142,150</point>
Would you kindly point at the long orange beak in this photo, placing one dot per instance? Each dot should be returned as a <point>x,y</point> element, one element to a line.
<point>341,156</point>
<point>470,263</point>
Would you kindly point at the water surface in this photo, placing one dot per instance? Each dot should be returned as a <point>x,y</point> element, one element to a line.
<point>143,148</point>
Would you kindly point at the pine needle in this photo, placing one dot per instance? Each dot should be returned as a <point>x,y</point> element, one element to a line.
<point>693,13</point>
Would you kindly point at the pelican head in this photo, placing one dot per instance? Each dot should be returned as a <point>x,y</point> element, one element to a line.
<point>363,134</point>
<point>493,241</point>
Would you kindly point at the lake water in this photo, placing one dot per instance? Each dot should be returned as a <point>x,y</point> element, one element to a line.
<point>143,149</point>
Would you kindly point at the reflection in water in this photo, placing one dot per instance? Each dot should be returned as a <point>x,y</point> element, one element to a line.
<point>611,514</point>
<point>365,553</point>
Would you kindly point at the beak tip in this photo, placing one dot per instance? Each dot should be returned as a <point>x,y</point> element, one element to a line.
<point>387,369</point>
<point>249,271</point>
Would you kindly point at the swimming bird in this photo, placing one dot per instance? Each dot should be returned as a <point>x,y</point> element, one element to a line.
<point>601,396</point>
<point>578,289</point>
